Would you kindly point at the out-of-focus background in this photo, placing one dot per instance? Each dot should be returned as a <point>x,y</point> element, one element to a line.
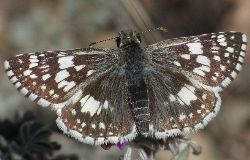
<point>33,25</point>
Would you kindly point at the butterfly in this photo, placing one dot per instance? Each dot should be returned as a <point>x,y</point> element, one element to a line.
<point>106,96</point>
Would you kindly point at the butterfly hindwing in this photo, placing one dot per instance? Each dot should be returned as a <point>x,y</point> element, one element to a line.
<point>101,114</point>
<point>179,107</point>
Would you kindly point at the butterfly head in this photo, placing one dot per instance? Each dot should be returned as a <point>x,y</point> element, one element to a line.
<point>128,37</point>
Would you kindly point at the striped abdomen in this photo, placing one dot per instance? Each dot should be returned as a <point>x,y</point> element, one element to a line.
<point>137,90</point>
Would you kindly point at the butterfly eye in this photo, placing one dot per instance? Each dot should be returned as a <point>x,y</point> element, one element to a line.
<point>118,41</point>
<point>138,36</point>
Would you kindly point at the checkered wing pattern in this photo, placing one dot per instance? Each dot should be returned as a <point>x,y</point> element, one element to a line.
<point>186,77</point>
<point>78,84</point>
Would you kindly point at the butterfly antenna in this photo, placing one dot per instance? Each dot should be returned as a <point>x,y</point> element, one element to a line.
<point>94,43</point>
<point>163,29</point>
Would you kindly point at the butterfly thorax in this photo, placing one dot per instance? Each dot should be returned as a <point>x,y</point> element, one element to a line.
<point>133,59</point>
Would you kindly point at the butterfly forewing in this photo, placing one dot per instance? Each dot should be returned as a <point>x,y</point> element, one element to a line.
<point>215,59</point>
<point>52,77</point>
<point>192,71</point>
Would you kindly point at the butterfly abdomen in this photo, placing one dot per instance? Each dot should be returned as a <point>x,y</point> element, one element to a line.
<point>137,90</point>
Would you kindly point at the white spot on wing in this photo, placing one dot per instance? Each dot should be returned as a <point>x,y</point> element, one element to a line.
<point>186,94</point>
<point>89,72</point>
<point>203,60</point>
<point>32,97</point>
<point>241,59</point>
<point>33,76</point>
<point>195,48</point>
<point>78,121</point>
<point>191,115</point>
<point>221,36</point>
<point>33,59</point>
<point>199,72</point>
<point>220,40</point>
<point>222,67</point>
<point>27,72</point>
<point>55,96</point>
<point>33,56</point>
<point>223,43</point>
<point>10,73</point>
<point>204,96</point>
<point>43,102</point>
<point>18,84</point>
<point>73,112</point>
<point>6,65</point>
<point>24,91</point>
<point>62,84</point>
<point>89,104</point>
<point>201,68</point>
<point>69,86</point>
<point>172,98</point>
<point>93,125</point>
<point>217,58</point>
<point>226,54</point>
<point>66,85</point>
<point>44,66</point>
<point>215,48</point>
<point>226,82</point>
<point>242,54</point>
<point>216,74</point>
<point>13,79</point>
<point>182,117</point>
<point>66,62</point>
<point>177,63</point>
<point>244,47</point>
<point>51,92</point>
<point>76,97</point>
<point>61,75</point>
<point>105,104</point>
<point>238,66</point>
<point>230,49</point>
<point>102,125</point>
<point>244,38</point>
<point>33,65</point>
<point>78,68</point>
<point>43,87</point>
<point>185,56</point>
<point>83,124</point>
<point>233,74</point>
<point>46,76</point>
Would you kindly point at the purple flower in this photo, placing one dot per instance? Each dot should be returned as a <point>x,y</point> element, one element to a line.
<point>122,146</point>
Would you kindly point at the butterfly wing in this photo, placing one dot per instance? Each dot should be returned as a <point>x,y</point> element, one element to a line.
<point>186,76</point>
<point>84,86</point>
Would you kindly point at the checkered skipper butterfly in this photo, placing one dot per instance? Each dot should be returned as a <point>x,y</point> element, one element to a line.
<point>112,95</point>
